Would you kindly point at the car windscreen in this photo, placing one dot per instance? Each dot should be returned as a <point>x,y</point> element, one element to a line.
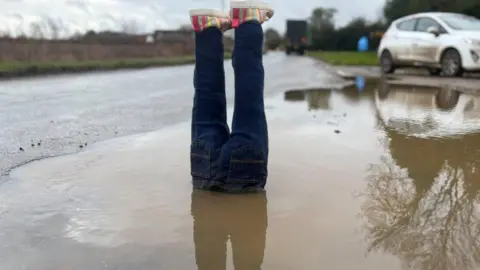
<point>461,22</point>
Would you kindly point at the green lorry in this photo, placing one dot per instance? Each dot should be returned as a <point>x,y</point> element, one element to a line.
<point>297,37</point>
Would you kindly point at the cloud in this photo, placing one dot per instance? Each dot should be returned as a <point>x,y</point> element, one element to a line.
<point>81,15</point>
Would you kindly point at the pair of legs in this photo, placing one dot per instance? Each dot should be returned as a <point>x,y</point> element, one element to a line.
<point>224,160</point>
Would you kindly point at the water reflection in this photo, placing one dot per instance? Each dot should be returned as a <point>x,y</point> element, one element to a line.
<point>317,99</point>
<point>294,95</point>
<point>428,111</point>
<point>354,94</point>
<point>360,83</point>
<point>422,198</point>
<point>218,217</point>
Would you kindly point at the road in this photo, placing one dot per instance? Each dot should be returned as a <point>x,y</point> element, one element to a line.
<point>357,180</point>
<point>65,114</point>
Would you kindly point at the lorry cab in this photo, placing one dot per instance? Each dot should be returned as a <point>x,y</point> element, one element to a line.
<point>297,37</point>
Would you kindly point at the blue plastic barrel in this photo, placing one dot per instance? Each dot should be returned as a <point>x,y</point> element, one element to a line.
<point>362,44</point>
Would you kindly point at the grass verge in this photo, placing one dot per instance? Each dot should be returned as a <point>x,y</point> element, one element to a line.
<point>346,58</point>
<point>24,69</point>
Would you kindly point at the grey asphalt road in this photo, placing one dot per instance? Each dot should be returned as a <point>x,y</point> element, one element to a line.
<point>51,116</point>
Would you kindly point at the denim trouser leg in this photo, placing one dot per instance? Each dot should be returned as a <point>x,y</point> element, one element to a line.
<point>244,157</point>
<point>209,117</point>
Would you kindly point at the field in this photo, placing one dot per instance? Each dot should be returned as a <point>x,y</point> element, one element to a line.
<point>346,58</point>
<point>20,69</point>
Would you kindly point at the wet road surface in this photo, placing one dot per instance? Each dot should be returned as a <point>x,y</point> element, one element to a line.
<point>379,178</point>
<point>44,117</point>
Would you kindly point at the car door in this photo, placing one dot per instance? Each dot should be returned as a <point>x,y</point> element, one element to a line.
<point>425,45</point>
<point>401,47</point>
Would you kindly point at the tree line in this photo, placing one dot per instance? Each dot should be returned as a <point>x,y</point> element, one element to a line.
<point>49,29</point>
<point>325,35</point>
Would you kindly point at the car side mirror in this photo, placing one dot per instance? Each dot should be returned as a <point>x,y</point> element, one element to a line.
<point>433,30</point>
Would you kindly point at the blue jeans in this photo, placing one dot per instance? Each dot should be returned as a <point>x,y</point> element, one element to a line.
<point>221,160</point>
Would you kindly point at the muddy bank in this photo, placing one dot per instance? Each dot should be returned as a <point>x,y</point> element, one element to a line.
<point>348,175</point>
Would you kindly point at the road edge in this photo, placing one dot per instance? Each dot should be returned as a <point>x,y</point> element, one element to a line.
<point>408,78</point>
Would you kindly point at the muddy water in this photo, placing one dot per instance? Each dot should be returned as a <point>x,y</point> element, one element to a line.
<point>359,179</point>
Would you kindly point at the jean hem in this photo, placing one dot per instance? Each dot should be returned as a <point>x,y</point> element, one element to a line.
<point>227,187</point>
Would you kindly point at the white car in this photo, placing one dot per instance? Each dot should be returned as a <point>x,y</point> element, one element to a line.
<point>447,43</point>
<point>428,112</point>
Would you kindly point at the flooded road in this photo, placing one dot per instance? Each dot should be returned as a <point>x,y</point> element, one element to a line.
<point>379,178</point>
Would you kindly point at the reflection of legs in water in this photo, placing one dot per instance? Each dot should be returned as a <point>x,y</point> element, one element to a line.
<point>210,230</point>
<point>248,230</point>
<point>244,157</point>
<point>217,216</point>
<point>209,117</point>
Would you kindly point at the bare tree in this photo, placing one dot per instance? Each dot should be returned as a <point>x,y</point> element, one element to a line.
<point>5,34</point>
<point>36,30</point>
<point>76,36</point>
<point>54,27</point>
<point>19,32</point>
<point>130,27</point>
<point>429,221</point>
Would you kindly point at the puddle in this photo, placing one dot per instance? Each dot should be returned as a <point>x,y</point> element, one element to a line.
<point>358,179</point>
<point>428,112</point>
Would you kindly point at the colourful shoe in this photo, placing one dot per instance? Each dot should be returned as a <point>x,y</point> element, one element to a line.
<point>242,11</point>
<point>206,18</point>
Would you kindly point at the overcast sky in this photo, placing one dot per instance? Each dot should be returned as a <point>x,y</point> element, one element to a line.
<point>79,15</point>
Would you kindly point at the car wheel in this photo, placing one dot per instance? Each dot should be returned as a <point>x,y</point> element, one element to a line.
<point>452,63</point>
<point>447,99</point>
<point>386,62</point>
<point>434,71</point>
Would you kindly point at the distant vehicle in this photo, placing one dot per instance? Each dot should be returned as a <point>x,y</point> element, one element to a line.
<point>447,43</point>
<point>297,37</point>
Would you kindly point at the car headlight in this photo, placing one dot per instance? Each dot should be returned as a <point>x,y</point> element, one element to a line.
<point>472,41</point>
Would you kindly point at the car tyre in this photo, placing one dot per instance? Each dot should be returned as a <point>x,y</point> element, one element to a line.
<point>452,63</point>
<point>383,89</point>
<point>386,62</point>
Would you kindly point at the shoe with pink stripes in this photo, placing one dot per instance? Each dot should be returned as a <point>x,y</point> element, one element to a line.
<point>242,11</point>
<point>206,18</point>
